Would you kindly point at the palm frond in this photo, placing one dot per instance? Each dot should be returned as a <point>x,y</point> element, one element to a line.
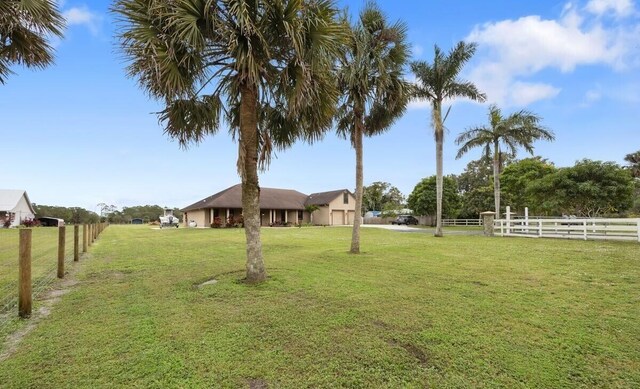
<point>26,27</point>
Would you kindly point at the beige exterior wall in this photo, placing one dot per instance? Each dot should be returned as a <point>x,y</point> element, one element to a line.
<point>344,214</point>
<point>197,216</point>
<point>322,217</point>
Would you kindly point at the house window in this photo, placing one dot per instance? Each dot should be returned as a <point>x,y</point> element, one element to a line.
<point>345,197</point>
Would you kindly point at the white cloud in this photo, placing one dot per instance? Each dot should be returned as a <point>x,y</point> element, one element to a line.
<point>511,51</point>
<point>524,93</point>
<point>84,17</point>
<point>620,8</point>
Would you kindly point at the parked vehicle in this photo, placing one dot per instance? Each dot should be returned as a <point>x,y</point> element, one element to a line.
<point>405,219</point>
<point>168,220</point>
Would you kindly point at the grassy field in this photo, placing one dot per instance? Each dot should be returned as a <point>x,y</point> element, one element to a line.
<point>44,255</point>
<point>411,311</point>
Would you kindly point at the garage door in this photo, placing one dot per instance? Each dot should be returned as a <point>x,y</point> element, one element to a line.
<point>338,218</point>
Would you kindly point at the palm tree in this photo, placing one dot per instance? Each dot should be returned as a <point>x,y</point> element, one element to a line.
<point>25,26</point>
<point>263,66</point>
<point>374,92</point>
<point>435,83</point>
<point>519,129</point>
<point>634,163</point>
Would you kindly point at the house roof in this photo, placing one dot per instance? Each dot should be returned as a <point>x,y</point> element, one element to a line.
<point>9,199</point>
<point>270,198</point>
<point>324,198</point>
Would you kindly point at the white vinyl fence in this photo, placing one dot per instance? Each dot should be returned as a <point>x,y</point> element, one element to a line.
<point>586,229</point>
<point>461,222</point>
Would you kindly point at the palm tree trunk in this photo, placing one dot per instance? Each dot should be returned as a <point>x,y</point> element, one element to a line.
<point>496,177</point>
<point>248,161</point>
<point>439,135</point>
<point>357,145</point>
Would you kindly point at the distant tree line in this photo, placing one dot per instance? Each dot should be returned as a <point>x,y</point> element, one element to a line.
<point>148,213</point>
<point>71,215</point>
<point>108,213</point>
<point>587,189</point>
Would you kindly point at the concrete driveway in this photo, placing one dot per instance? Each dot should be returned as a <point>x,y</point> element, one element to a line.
<point>424,230</point>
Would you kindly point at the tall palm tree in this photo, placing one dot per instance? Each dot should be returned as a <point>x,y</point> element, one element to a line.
<point>520,129</point>
<point>25,26</point>
<point>634,163</point>
<point>374,92</point>
<point>436,82</point>
<point>263,66</point>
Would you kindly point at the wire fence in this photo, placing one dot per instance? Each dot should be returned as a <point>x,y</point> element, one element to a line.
<point>44,264</point>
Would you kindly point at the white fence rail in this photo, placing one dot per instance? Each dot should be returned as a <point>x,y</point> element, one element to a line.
<point>461,222</point>
<point>586,229</point>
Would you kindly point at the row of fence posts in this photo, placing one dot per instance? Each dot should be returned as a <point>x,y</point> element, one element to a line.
<point>90,233</point>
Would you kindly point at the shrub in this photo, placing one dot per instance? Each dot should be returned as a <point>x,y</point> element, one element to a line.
<point>30,223</point>
<point>217,222</point>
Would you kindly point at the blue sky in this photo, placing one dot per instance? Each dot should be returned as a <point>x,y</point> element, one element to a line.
<point>81,133</point>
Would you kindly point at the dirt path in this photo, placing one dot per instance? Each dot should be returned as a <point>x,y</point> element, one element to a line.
<point>46,303</point>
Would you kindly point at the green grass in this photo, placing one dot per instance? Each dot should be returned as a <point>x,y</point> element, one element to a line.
<point>411,311</point>
<point>44,259</point>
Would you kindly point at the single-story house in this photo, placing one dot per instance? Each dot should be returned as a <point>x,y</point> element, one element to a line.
<point>277,206</point>
<point>15,207</point>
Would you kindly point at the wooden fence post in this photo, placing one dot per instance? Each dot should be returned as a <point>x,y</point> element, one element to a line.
<point>24,284</point>
<point>61,241</point>
<point>85,236</point>
<point>76,243</point>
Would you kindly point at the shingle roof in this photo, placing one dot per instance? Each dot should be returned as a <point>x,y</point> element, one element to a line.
<point>324,198</point>
<point>270,198</point>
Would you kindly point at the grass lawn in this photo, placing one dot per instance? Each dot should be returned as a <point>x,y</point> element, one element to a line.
<point>44,260</point>
<point>411,311</point>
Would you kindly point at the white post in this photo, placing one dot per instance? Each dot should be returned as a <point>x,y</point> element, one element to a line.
<point>508,220</point>
<point>638,230</point>
<point>526,218</point>
<point>539,227</point>
<point>286,217</point>
<point>584,222</point>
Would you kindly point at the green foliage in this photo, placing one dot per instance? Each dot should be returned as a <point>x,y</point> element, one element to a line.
<point>590,188</point>
<point>634,163</point>
<point>423,198</point>
<point>370,75</point>
<point>476,188</point>
<point>26,28</point>
<point>202,59</point>
<point>517,176</point>
<point>148,213</point>
<point>520,129</point>
<point>381,196</point>
<point>436,82</point>
<point>71,215</point>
